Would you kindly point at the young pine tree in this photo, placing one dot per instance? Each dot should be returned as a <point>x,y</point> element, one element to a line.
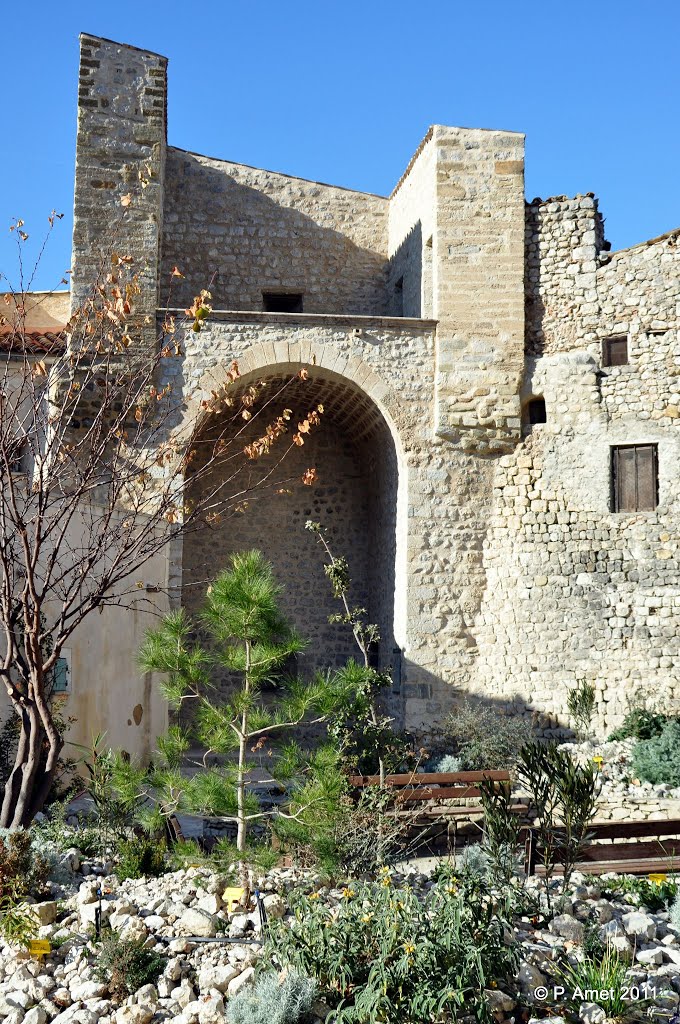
<point>250,637</point>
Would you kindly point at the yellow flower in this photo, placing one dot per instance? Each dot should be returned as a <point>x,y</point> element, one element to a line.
<point>657,877</point>
<point>598,761</point>
<point>348,893</point>
<point>386,881</point>
<point>366,918</point>
<point>452,889</point>
<point>408,948</point>
<point>314,896</point>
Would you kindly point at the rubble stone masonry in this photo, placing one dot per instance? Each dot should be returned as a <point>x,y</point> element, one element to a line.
<point>483,543</point>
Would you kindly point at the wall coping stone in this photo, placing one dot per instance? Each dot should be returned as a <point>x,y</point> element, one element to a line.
<point>310,319</point>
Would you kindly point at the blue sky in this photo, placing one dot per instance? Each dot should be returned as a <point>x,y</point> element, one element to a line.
<point>343,92</point>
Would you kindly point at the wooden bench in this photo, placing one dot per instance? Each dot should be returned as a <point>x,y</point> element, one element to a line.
<point>634,848</point>
<point>424,799</point>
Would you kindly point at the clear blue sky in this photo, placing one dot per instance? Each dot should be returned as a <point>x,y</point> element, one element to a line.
<point>343,92</point>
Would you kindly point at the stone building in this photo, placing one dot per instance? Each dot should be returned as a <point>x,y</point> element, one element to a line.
<point>499,456</point>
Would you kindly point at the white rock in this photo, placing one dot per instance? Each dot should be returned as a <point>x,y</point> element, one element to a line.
<point>138,1014</point>
<point>197,922</point>
<point>650,956</point>
<point>591,1013</point>
<point>38,1015</point>
<point>46,912</point>
<point>637,923</point>
<point>217,977</point>
<point>154,922</point>
<point>212,1010</point>
<point>275,905</point>
<point>499,1002</point>
<point>244,978</point>
<point>568,927</point>
<point>87,990</point>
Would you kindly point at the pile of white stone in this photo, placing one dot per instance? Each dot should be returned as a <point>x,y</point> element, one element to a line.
<point>173,912</point>
<point>619,782</point>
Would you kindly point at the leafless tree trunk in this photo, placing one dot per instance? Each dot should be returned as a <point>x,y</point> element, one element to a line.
<point>84,431</point>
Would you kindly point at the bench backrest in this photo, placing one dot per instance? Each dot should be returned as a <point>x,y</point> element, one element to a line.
<point>419,787</point>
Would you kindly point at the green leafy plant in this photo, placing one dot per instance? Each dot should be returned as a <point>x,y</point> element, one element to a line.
<point>386,955</point>
<point>655,896</point>
<point>501,830</point>
<point>140,857</point>
<point>581,706</point>
<point>564,795</point>
<point>19,923</point>
<point>23,872</point>
<point>364,733</point>
<point>274,1000</point>
<point>125,964</point>
<point>657,759</point>
<point>600,980</point>
<point>485,738</point>
<point>641,723</point>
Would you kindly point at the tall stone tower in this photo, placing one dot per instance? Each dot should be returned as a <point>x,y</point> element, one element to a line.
<point>120,152</point>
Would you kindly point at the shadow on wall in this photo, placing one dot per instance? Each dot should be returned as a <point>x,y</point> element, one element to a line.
<point>238,241</point>
<point>405,276</point>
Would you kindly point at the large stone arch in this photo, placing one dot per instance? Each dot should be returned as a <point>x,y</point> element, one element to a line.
<point>360,497</point>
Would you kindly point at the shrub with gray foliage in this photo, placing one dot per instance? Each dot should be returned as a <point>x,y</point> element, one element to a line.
<point>274,1001</point>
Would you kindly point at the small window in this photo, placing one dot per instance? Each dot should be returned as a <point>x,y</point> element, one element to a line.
<point>536,411</point>
<point>399,297</point>
<point>17,456</point>
<point>61,675</point>
<point>615,351</point>
<point>282,302</point>
<point>374,654</point>
<point>635,485</point>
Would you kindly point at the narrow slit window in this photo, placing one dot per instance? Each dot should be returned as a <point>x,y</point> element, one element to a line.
<point>399,297</point>
<point>615,351</point>
<point>282,302</point>
<point>635,478</point>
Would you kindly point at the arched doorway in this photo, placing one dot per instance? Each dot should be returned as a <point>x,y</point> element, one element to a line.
<point>355,497</point>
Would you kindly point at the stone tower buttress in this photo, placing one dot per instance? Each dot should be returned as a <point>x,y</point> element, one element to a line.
<point>120,152</point>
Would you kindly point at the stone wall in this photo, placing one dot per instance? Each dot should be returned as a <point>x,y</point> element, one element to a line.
<point>239,231</point>
<point>120,152</point>
<point>573,589</point>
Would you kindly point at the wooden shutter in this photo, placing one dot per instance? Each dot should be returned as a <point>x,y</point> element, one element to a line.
<point>635,485</point>
<point>615,351</point>
<point>645,458</point>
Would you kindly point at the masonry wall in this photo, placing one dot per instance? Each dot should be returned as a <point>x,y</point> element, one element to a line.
<point>478,286</point>
<point>575,590</point>
<point>411,229</point>
<point>120,159</point>
<point>239,231</point>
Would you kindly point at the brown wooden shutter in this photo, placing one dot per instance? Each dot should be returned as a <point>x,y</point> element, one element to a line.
<point>645,456</point>
<point>615,351</point>
<point>635,485</point>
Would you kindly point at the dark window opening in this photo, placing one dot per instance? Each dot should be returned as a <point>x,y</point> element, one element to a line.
<point>399,297</point>
<point>374,654</point>
<point>635,478</point>
<point>536,412</point>
<point>615,351</point>
<point>17,456</point>
<point>282,302</point>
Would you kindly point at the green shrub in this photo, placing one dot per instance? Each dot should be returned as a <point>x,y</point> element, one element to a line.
<point>274,1000</point>
<point>581,706</point>
<point>141,856</point>
<point>386,955</point>
<point>640,724</point>
<point>606,975</point>
<point>657,759</point>
<point>19,923</point>
<point>22,871</point>
<point>485,738</point>
<point>125,964</point>
<point>655,896</point>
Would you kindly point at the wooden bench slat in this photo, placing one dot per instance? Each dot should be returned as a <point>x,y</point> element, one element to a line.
<point>630,851</point>
<point>424,778</point>
<point>644,866</point>
<point>633,829</point>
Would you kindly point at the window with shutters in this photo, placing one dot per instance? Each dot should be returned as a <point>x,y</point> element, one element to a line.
<point>615,351</point>
<point>635,486</point>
